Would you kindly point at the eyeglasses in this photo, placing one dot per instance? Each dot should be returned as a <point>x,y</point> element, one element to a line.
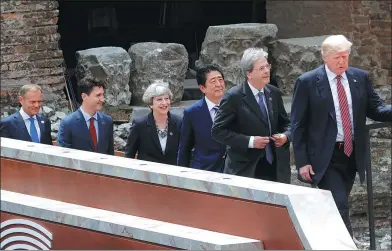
<point>263,67</point>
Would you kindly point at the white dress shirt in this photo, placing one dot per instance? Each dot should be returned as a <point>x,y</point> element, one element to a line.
<point>334,89</point>
<point>26,120</point>
<point>87,119</point>
<point>255,93</point>
<point>210,106</point>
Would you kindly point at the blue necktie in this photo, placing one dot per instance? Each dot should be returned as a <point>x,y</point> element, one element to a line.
<point>33,131</point>
<point>215,109</point>
<point>268,150</point>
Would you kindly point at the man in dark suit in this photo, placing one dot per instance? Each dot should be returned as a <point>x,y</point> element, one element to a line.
<point>27,124</point>
<point>328,119</point>
<point>253,123</point>
<point>87,128</point>
<point>197,123</point>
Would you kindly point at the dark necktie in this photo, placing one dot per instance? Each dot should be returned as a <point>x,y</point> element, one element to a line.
<point>215,110</point>
<point>345,116</point>
<point>268,150</point>
<point>93,133</point>
<point>33,131</point>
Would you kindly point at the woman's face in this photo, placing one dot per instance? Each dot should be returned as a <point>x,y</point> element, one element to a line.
<point>160,104</point>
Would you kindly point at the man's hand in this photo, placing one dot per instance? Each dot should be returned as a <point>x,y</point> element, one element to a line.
<point>260,142</point>
<point>306,171</point>
<point>279,139</point>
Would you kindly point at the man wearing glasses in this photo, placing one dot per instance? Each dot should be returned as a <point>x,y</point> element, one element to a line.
<point>252,122</point>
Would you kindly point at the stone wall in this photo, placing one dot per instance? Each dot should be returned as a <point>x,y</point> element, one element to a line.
<point>30,51</point>
<point>366,23</point>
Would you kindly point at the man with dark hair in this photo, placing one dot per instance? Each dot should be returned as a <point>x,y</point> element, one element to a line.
<point>197,123</point>
<point>27,124</point>
<point>87,128</point>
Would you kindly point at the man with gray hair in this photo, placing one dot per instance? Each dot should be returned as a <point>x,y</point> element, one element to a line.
<point>328,119</point>
<point>27,124</point>
<point>252,122</point>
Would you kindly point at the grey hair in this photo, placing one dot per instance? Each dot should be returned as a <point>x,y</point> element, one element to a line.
<point>250,56</point>
<point>29,87</point>
<point>335,43</point>
<point>157,88</point>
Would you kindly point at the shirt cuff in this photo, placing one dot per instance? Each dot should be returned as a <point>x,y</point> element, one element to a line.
<point>250,144</point>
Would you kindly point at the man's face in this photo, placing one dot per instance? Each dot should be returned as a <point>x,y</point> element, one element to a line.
<point>337,62</point>
<point>214,87</point>
<point>31,102</point>
<point>95,100</point>
<point>260,74</point>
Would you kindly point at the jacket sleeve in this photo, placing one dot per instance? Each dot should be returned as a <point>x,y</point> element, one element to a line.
<point>299,121</point>
<point>111,138</point>
<point>133,141</point>
<point>64,136</point>
<point>187,141</point>
<point>376,110</point>
<point>283,119</point>
<point>224,119</point>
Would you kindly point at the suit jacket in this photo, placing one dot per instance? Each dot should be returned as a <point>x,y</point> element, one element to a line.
<point>313,118</point>
<point>14,127</point>
<point>74,133</point>
<point>143,140</point>
<point>196,133</point>
<point>239,117</point>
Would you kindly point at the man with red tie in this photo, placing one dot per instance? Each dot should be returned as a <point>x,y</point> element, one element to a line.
<point>87,128</point>
<point>328,119</point>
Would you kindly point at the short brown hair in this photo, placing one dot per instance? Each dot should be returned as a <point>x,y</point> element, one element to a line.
<point>29,87</point>
<point>86,85</point>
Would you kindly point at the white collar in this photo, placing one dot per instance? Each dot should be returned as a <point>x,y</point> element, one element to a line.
<point>210,104</point>
<point>254,90</point>
<point>331,75</point>
<point>25,115</point>
<point>88,116</point>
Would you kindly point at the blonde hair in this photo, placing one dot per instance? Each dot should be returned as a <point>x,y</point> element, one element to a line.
<point>157,88</point>
<point>335,43</point>
<point>29,87</point>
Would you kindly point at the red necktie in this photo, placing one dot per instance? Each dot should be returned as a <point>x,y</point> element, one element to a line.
<point>345,116</point>
<point>93,133</point>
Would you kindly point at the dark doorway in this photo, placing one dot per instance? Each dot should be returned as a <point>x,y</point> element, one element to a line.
<point>88,24</point>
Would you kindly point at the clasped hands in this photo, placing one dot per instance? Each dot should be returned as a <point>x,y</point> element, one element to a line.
<point>260,142</point>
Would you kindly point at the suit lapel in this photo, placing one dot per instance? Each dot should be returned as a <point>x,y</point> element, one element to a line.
<point>170,135</point>
<point>152,130</point>
<point>354,90</point>
<point>325,91</point>
<point>82,124</point>
<point>101,130</point>
<point>41,123</point>
<point>252,103</point>
<point>205,113</point>
<point>270,107</point>
<point>22,127</point>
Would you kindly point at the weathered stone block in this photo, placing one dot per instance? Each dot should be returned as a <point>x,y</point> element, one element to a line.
<point>224,45</point>
<point>115,63</point>
<point>292,57</point>
<point>152,61</point>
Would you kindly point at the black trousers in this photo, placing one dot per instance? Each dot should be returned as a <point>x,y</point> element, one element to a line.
<point>339,179</point>
<point>265,170</point>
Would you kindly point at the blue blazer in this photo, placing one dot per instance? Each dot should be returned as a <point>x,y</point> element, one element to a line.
<point>74,133</point>
<point>196,133</point>
<point>14,127</point>
<point>313,119</point>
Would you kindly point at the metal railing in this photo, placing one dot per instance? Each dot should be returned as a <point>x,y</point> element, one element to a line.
<point>369,182</point>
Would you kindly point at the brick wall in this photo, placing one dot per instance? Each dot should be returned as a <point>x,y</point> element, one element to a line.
<point>30,51</point>
<point>366,23</point>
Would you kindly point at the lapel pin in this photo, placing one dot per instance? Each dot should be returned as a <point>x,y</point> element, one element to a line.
<point>355,80</point>
<point>42,121</point>
<point>270,99</point>
<point>171,134</point>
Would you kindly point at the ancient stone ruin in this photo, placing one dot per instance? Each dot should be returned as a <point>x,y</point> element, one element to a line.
<point>224,45</point>
<point>152,61</point>
<point>111,63</point>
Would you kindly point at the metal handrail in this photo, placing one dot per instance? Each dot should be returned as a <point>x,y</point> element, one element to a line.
<point>369,182</point>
